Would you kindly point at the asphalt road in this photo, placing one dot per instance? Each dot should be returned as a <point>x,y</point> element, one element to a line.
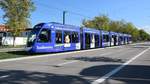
<point>129,64</point>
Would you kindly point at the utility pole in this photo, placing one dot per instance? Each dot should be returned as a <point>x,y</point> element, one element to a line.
<point>64,14</point>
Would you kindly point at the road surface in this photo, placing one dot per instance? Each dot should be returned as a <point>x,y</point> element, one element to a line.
<point>128,64</point>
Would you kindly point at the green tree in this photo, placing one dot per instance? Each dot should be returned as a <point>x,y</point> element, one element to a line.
<point>144,36</point>
<point>17,14</point>
<point>104,23</point>
<point>100,22</point>
<point>114,26</point>
<point>117,26</point>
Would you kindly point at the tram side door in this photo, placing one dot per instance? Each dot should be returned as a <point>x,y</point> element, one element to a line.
<point>96,40</point>
<point>112,40</point>
<point>92,43</point>
<point>87,40</point>
<point>115,40</point>
<point>81,40</point>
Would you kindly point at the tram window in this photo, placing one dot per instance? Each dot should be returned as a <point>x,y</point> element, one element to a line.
<point>44,36</point>
<point>67,37</point>
<point>113,38</point>
<point>121,39</point>
<point>87,38</point>
<point>130,38</point>
<point>58,37</point>
<point>75,37</point>
<point>96,38</point>
<point>106,38</point>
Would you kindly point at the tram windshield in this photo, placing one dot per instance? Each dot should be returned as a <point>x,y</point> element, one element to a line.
<point>32,36</point>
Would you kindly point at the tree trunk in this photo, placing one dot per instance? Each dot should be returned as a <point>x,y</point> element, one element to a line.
<point>14,38</point>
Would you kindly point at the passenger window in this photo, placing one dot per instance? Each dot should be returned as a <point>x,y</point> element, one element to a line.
<point>58,37</point>
<point>106,38</point>
<point>67,37</point>
<point>130,38</point>
<point>44,36</point>
<point>75,37</point>
<point>97,38</point>
<point>121,39</point>
<point>87,38</point>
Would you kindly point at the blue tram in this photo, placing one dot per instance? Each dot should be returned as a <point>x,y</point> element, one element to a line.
<point>56,37</point>
<point>90,38</point>
<point>105,38</point>
<point>53,37</point>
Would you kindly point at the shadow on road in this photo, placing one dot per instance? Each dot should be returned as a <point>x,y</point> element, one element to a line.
<point>96,59</point>
<point>29,53</point>
<point>19,53</point>
<point>131,74</point>
<point>25,53</point>
<point>26,77</point>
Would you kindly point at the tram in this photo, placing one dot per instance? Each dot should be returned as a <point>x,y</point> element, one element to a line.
<point>56,37</point>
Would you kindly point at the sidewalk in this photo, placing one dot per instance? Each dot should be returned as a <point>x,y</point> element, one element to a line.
<point>11,49</point>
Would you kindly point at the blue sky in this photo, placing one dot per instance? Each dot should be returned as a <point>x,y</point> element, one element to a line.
<point>135,11</point>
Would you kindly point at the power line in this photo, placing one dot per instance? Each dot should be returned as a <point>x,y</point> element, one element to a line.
<point>58,9</point>
<point>79,14</point>
<point>60,2</point>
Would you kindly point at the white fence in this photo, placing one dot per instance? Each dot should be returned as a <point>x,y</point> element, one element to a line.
<point>18,40</point>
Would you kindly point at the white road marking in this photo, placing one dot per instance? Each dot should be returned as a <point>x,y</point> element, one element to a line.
<point>103,78</point>
<point>140,46</point>
<point>137,79</point>
<point>67,63</point>
<point>5,76</point>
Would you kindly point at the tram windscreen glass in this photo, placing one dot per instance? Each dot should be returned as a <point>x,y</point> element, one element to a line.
<point>106,38</point>
<point>44,36</point>
<point>32,36</point>
<point>75,37</point>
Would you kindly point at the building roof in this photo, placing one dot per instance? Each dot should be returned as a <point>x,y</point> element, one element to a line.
<point>3,28</point>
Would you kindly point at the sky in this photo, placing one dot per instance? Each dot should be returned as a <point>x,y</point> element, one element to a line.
<point>135,11</point>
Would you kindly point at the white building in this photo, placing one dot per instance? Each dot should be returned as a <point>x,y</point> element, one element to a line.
<point>6,37</point>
